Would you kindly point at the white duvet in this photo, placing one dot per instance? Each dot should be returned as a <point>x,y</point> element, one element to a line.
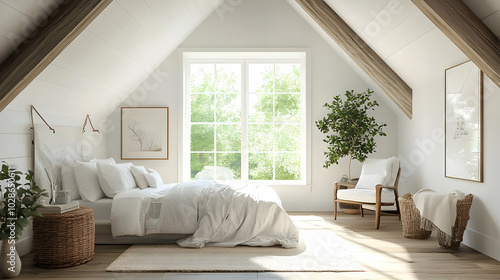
<point>208,213</point>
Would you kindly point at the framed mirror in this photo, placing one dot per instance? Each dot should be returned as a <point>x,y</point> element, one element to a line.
<point>464,122</point>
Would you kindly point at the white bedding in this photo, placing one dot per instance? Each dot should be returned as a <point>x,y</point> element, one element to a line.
<point>101,207</point>
<point>210,212</point>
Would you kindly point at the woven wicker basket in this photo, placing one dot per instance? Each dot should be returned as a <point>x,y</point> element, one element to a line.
<point>410,218</point>
<point>63,240</point>
<point>463,209</point>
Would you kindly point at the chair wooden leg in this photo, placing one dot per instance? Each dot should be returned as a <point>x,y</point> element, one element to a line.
<point>378,209</point>
<point>377,218</point>
<point>334,209</point>
<point>361,209</point>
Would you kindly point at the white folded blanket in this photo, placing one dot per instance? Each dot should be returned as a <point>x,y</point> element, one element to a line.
<point>440,209</point>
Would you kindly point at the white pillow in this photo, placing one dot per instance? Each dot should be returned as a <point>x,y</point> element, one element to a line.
<point>374,172</point>
<point>99,174</point>
<point>68,178</point>
<point>87,181</point>
<point>368,182</point>
<point>116,178</point>
<point>394,171</point>
<point>138,173</point>
<point>153,178</point>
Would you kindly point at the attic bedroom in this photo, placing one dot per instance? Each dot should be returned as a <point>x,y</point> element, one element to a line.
<point>203,139</point>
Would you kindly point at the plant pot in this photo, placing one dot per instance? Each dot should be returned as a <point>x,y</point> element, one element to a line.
<point>349,208</point>
<point>10,263</point>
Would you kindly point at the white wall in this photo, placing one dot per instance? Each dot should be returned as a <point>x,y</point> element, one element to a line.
<point>263,24</point>
<point>421,140</point>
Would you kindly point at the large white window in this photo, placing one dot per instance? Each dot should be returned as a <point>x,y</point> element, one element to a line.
<point>245,112</point>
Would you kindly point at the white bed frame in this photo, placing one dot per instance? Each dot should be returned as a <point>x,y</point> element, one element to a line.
<point>50,150</point>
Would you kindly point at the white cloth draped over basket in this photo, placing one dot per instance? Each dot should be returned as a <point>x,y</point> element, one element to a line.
<point>437,209</point>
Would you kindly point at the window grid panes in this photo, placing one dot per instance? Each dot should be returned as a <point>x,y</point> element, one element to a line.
<point>269,144</point>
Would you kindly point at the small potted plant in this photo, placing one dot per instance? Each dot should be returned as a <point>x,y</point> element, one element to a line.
<point>19,203</point>
<point>349,130</point>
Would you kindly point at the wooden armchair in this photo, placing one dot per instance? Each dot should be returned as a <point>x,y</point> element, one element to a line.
<point>383,192</point>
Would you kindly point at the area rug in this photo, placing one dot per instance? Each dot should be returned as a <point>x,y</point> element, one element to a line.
<point>318,251</point>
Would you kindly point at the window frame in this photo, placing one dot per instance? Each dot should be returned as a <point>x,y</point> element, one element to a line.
<point>246,57</point>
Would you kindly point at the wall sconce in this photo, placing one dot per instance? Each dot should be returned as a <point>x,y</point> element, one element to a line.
<point>90,121</point>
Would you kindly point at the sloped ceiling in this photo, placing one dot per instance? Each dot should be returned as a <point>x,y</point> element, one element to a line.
<point>108,60</point>
<point>126,43</point>
<point>404,37</point>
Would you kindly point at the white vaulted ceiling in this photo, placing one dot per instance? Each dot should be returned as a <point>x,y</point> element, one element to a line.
<point>108,60</point>
<point>403,36</point>
<point>130,38</point>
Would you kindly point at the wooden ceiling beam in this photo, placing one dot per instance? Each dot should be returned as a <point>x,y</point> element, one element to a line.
<point>467,32</point>
<point>364,56</point>
<point>45,44</point>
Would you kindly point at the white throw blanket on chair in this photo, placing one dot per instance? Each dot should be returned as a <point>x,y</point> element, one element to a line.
<point>440,209</point>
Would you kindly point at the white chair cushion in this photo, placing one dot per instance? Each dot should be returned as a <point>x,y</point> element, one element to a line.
<point>394,171</point>
<point>378,171</point>
<point>367,196</point>
<point>368,182</point>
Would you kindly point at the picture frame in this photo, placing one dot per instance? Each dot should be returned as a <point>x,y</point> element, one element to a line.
<point>464,122</point>
<point>144,133</point>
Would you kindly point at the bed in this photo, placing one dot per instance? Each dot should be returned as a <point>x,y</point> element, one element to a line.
<point>192,214</point>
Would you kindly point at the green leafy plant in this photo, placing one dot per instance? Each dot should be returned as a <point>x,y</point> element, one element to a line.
<point>350,131</point>
<point>19,201</point>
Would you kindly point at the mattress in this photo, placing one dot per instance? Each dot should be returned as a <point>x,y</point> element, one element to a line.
<point>102,209</point>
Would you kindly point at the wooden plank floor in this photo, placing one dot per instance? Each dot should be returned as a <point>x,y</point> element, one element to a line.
<point>385,253</point>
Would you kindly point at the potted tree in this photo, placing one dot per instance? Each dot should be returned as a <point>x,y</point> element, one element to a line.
<point>18,205</point>
<point>348,128</point>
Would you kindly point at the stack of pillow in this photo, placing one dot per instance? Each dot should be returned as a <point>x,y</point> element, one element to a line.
<point>99,178</point>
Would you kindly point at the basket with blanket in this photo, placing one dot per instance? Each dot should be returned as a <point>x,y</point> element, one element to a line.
<point>447,213</point>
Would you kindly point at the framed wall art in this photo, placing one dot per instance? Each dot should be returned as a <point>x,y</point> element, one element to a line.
<point>144,133</point>
<point>464,122</point>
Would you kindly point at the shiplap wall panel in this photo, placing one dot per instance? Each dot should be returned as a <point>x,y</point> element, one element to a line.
<point>437,54</point>
<point>193,8</point>
<point>15,145</point>
<point>493,22</point>
<point>108,31</point>
<point>37,10</point>
<point>358,21</point>
<point>53,95</point>
<point>172,14</point>
<point>89,50</point>
<point>61,95</point>
<point>207,7</point>
<point>147,18</point>
<point>7,46</point>
<point>15,25</point>
<point>403,35</point>
<point>126,22</point>
<point>385,22</point>
<point>483,8</point>
<point>12,121</point>
<point>69,79</point>
<point>22,164</point>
